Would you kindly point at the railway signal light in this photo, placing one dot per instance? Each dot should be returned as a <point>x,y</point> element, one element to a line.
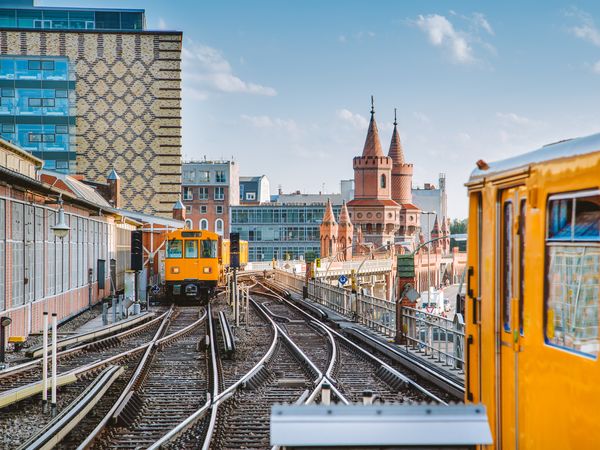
<point>137,250</point>
<point>234,250</point>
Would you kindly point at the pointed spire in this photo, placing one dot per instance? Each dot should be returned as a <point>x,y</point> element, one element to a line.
<point>344,216</point>
<point>445,228</point>
<point>178,204</point>
<point>372,145</point>
<point>328,217</point>
<point>396,152</point>
<point>436,227</point>
<point>113,175</point>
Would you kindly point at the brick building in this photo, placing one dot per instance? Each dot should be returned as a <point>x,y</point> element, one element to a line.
<point>92,90</point>
<point>381,210</point>
<point>209,189</point>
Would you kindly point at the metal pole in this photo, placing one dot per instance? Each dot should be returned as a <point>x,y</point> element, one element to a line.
<point>114,309</point>
<point>45,360</point>
<point>54,327</point>
<point>104,313</point>
<point>237,300</point>
<point>428,260</point>
<point>2,343</point>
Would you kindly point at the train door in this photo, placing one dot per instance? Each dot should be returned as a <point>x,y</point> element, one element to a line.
<point>509,307</point>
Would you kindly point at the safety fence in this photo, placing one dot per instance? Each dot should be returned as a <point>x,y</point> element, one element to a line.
<point>431,335</point>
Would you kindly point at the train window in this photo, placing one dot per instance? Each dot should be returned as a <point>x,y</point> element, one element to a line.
<point>191,249</point>
<point>522,215</point>
<point>209,248</point>
<point>507,250</point>
<point>573,272</point>
<point>174,248</point>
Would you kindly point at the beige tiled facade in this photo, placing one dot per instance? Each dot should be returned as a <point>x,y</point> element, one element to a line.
<point>128,107</point>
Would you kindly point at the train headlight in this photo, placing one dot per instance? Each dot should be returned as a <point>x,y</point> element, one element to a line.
<point>207,270</point>
<point>174,269</point>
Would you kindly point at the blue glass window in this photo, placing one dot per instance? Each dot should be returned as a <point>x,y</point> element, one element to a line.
<point>131,21</point>
<point>81,20</point>
<point>561,215</point>
<point>106,20</point>
<point>29,18</point>
<point>8,18</point>
<point>7,69</point>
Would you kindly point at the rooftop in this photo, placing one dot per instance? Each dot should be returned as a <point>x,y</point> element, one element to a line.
<point>55,18</point>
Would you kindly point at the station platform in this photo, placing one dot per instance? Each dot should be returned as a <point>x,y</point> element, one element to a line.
<point>425,366</point>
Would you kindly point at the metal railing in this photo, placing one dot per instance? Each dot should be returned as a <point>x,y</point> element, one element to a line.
<point>434,336</point>
<point>431,335</point>
<point>374,312</point>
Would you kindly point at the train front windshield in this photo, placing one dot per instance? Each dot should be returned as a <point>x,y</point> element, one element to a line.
<point>209,249</point>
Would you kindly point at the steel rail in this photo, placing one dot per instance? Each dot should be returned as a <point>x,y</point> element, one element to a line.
<point>213,357</point>
<point>91,335</point>
<point>326,377</point>
<point>11,371</point>
<point>53,433</point>
<point>356,347</point>
<point>136,378</point>
<point>213,402</point>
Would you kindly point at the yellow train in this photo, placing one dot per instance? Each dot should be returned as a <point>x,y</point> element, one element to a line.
<point>195,261</point>
<point>533,295</point>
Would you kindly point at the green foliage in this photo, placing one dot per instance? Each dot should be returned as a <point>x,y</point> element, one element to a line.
<point>310,256</point>
<point>458,226</point>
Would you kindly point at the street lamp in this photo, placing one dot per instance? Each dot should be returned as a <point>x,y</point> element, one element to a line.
<point>61,229</point>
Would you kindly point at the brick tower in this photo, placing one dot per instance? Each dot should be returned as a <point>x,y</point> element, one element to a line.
<point>372,209</point>
<point>402,173</point>
<point>436,234</point>
<point>345,234</point>
<point>329,233</point>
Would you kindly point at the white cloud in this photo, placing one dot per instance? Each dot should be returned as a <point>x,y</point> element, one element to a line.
<point>514,119</point>
<point>342,39</point>
<point>459,43</point>
<point>271,122</point>
<point>586,29</point>
<point>206,70</point>
<point>480,21</point>
<point>353,119</point>
<point>162,24</point>
<point>441,33</point>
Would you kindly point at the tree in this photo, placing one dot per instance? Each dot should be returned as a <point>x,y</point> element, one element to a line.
<point>458,226</point>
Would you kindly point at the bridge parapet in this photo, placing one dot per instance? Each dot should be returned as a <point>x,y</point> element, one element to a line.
<point>429,335</point>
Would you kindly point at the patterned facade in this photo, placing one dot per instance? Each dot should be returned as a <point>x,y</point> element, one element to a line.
<point>128,106</point>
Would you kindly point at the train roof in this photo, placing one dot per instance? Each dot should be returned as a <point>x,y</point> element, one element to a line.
<point>562,149</point>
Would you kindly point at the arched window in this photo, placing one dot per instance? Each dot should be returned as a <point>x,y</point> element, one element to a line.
<point>188,224</point>
<point>204,224</point>
<point>219,226</point>
<point>382,180</point>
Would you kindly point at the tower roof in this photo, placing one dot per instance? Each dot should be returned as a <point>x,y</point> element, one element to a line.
<point>178,205</point>
<point>344,216</point>
<point>113,175</point>
<point>372,145</point>
<point>436,226</point>
<point>328,217</point>
<point>396,152</point>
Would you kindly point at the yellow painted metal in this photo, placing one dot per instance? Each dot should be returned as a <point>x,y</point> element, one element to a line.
<point>16,339</point>
<point>537,396</point>
<point>29,390</point>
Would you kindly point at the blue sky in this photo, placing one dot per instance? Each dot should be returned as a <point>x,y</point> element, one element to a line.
<point>284,87</point>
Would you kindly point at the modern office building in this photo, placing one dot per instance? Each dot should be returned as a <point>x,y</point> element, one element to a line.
<point>254,190</point>
<point>90,90</point>
<point>282,230</point>
<point>209,189</point>
<point>434,199</point>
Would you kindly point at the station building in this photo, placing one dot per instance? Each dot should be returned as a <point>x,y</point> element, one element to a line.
<point>40,271</point>
<point>90,90</point>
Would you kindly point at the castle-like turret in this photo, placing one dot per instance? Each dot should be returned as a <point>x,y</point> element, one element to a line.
<point>402,172</point>
<point>345,234</point>
<point>329,232</point>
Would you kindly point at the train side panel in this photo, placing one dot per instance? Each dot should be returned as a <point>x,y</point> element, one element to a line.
<point>533,299</point>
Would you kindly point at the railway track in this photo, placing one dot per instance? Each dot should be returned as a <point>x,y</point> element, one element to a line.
<point>168,385</point>
<point>81,355</point>
<point>355,372</point>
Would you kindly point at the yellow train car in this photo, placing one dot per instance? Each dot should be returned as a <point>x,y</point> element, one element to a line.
<point>191,264</point>
<point>533,293</point>
<point>225,256</point>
